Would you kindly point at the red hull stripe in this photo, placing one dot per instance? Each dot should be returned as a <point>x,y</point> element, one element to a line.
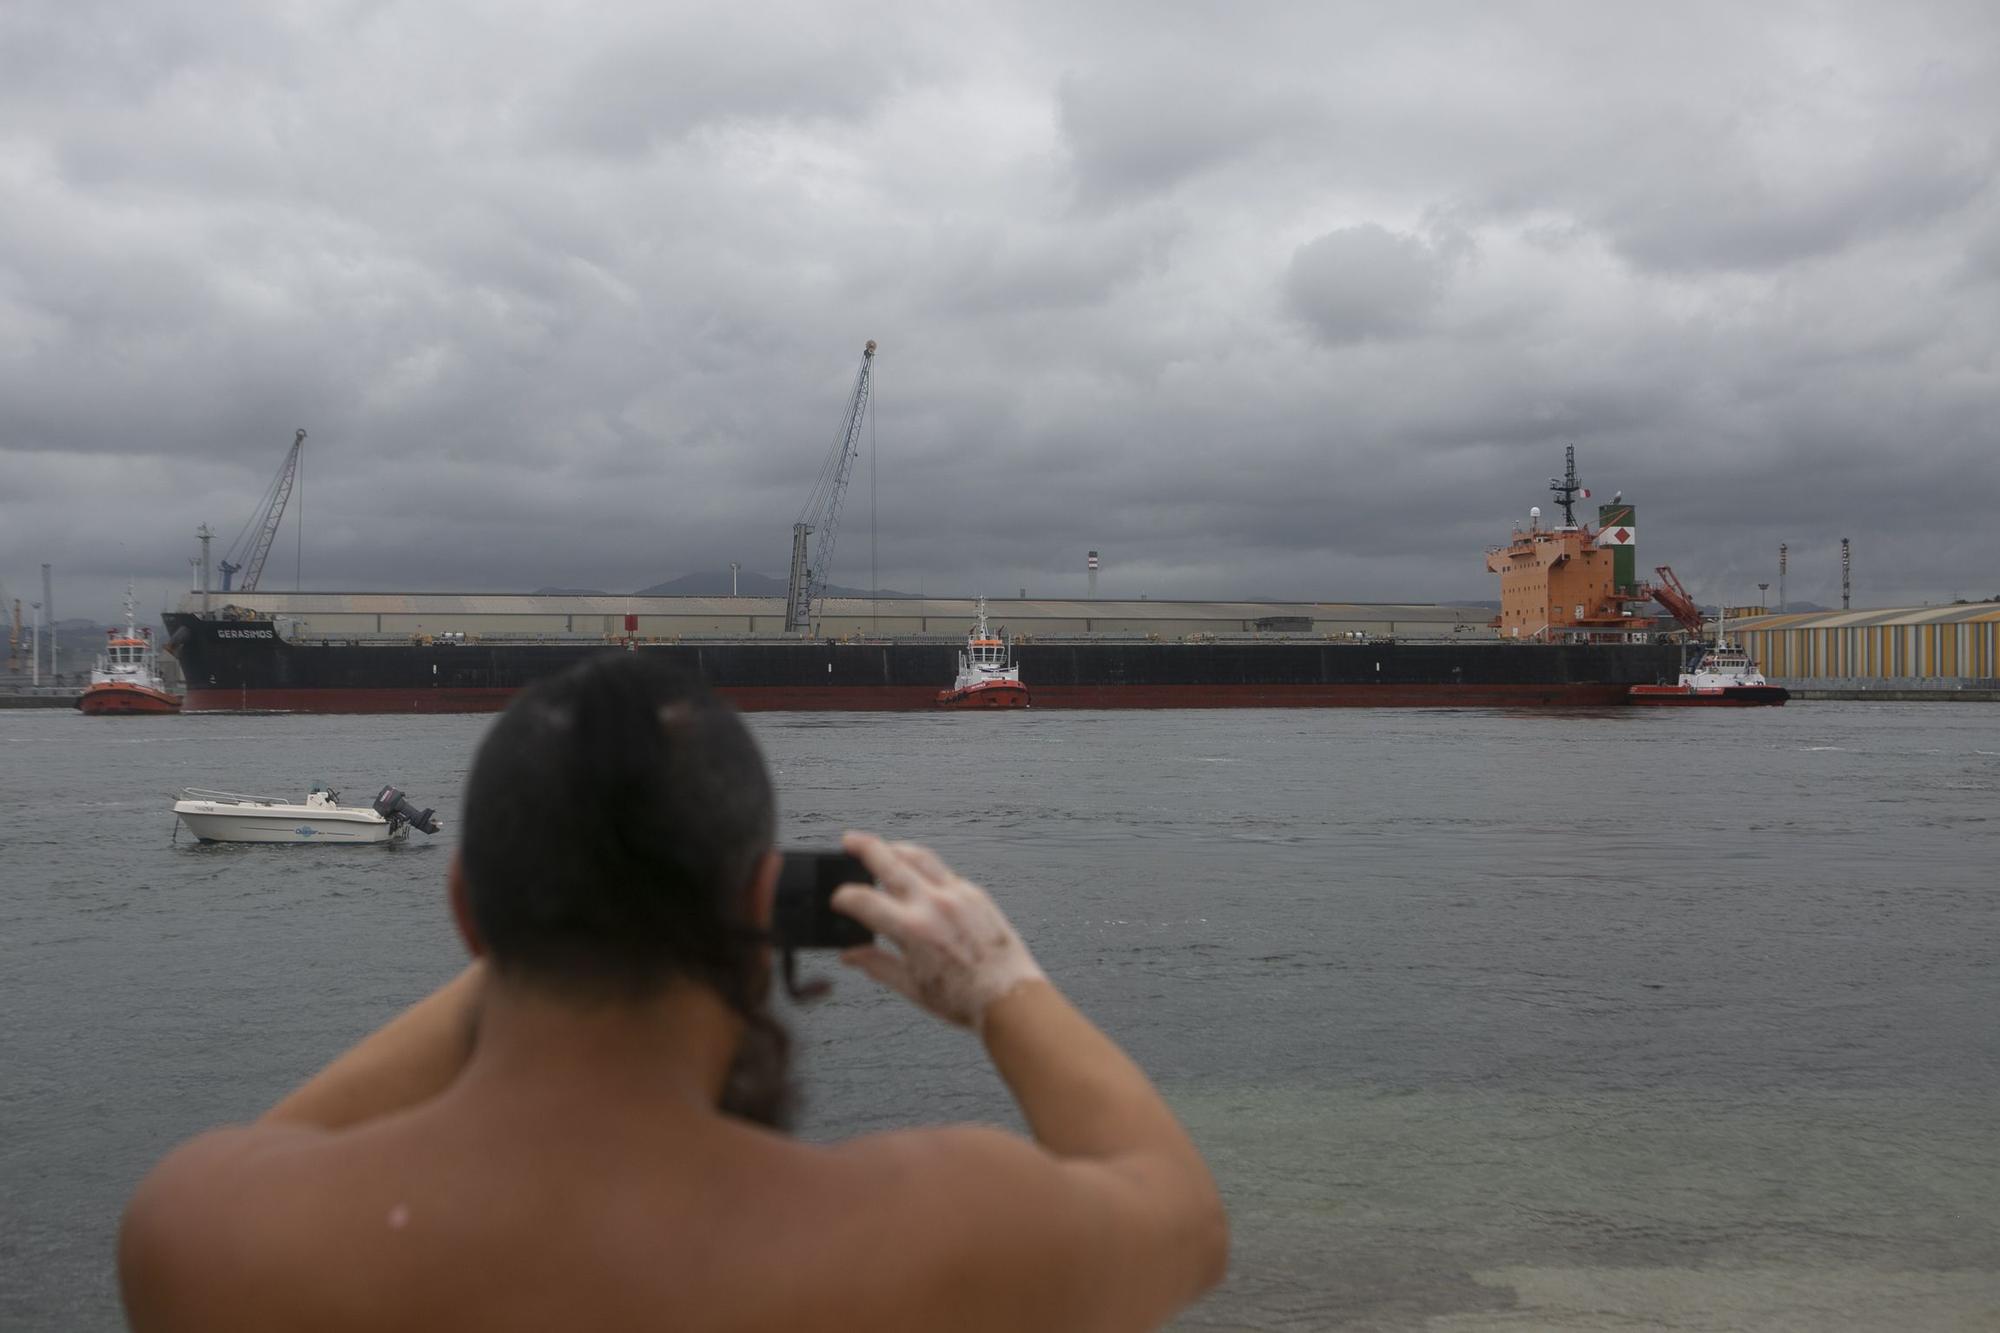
<point>106,700</point>
<point>1709,700</point>
<point>918,698</point>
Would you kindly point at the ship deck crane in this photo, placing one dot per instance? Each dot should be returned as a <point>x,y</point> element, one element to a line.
<point>1669,593</point>
<point>252,546</point>
<point>821,514</point>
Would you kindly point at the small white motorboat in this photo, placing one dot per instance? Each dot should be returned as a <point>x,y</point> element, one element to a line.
<point>227,816</point>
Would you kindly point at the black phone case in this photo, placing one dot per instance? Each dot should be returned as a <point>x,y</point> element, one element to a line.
<point>803,916</point>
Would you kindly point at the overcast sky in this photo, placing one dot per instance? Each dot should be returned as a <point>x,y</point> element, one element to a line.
<point>1298,300</point>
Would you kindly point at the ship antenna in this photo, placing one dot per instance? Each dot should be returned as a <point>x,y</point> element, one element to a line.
<point>1566,487</point>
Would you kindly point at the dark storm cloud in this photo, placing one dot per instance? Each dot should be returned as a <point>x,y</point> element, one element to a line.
<point>673,71</point>
<point>1364,282</point>
<point>1284,300</point>
<point>1140,130</point>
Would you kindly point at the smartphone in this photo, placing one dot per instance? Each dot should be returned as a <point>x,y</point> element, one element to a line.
<point>803,916</point>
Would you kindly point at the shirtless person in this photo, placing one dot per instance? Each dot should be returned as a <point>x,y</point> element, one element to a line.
<point>567,1135</point>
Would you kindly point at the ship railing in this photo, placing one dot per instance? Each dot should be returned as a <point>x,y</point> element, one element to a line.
<point>1457,633</point>
<point>234,797</point>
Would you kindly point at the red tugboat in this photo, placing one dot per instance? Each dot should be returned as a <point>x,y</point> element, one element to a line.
<point>127,678</point>
<point>1723,677</point>
<point>986,676</point>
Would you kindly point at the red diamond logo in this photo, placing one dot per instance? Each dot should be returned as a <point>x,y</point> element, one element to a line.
<point>1623,535</point>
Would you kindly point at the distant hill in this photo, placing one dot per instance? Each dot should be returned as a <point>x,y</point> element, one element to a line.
<point>715,583</point>
<point>749,583</point>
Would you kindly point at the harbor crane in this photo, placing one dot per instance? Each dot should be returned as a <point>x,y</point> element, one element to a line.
<point>252,546</point>
<point>821,514</point>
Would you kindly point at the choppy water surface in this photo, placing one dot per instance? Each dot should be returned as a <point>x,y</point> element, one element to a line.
<point>1485,1020</point>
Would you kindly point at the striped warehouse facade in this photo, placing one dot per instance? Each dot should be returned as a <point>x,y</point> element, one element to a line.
<point>1959,644</point>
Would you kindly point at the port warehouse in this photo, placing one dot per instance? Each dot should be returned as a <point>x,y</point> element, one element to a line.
<point>1925,645</point>
<point>341,616</point>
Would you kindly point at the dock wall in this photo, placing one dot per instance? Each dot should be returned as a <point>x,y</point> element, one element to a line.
<point>1919,689</point>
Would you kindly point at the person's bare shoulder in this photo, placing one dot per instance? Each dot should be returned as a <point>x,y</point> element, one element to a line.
<point>194,1217</point>
<point>979,1228</point>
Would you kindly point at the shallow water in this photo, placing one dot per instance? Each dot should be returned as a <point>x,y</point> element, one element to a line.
<point>1485,1020</point>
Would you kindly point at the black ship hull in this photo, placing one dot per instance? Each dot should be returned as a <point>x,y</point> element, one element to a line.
<point>245,666</point>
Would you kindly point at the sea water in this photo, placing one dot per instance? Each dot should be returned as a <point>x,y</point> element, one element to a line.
<point>1484,1020</point>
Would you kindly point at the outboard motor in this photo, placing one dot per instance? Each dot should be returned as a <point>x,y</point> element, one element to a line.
<point>395,807</point>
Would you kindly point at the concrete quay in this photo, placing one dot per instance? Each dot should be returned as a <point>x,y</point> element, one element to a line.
<point>39,698</point>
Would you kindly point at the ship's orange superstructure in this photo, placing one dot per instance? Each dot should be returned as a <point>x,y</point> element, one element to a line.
<point>1555,579</point>
<point>1568,580</point>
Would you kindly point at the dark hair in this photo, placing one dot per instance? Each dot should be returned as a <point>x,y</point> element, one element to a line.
<point>613,821</point>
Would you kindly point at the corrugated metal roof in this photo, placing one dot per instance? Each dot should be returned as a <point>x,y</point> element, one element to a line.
<point>1950,614</point>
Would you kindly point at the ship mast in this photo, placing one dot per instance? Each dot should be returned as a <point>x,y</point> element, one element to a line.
<point>1566,488</point>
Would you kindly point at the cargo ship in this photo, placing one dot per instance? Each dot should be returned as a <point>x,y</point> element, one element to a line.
<point>1566,637</point>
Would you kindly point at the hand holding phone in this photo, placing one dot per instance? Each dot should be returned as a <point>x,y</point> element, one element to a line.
<point>803,915</point>
<point>956,952</point>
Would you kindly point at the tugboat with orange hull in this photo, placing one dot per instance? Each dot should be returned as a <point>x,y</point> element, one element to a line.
<point>987,678</point>
<point>126,680</point>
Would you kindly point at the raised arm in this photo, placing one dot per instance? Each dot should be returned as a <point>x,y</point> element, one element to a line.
<point>410,1059</point>
<point>1117,1210</point>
